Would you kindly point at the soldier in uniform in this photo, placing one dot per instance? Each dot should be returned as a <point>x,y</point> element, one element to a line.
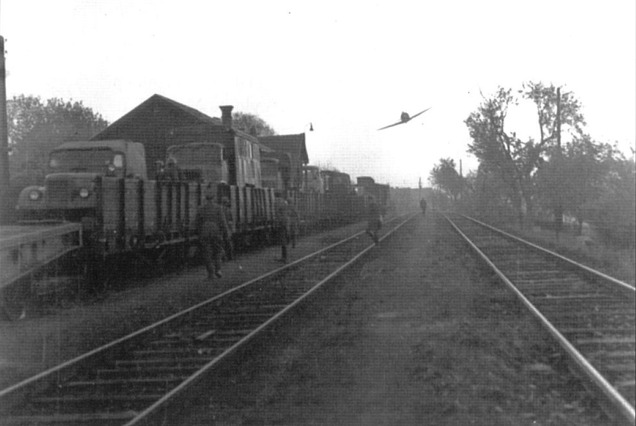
<point>374,219</point>
<point>213,233</point>
<point>423,206</point>
<point>227,209</point>
<point>172,170</point>
<point>281,208</point>
<point>294,223</point>
<point>160,170</point>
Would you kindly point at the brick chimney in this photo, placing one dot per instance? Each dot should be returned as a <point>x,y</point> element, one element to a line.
<point>226,115</point>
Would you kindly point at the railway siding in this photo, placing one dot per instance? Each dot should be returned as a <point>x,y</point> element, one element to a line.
<point>417,333</point>
<point>591,315</point>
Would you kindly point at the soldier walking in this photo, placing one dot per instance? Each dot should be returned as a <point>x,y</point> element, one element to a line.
<point>294,223</point>
<point>213,233</point>
<point>282,224</point>
<point>374,220</point>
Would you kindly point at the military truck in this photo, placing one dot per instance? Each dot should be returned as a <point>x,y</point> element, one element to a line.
<point>104,185</point>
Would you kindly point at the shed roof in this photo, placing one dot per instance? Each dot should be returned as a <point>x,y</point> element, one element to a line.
<point>293,144</point>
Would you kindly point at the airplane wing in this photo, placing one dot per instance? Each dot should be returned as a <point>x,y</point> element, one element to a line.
<point>422,112</point>
<point>391,125</point>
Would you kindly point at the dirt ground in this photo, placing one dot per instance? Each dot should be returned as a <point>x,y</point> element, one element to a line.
<point>416,334</point>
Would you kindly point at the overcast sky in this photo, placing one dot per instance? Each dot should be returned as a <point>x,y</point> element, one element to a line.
<point>348,67</point>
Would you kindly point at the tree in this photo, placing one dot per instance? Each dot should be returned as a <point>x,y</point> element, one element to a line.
<point>36,127</point>
<point>545,100</point>
<point>326,166</point>
<point>252,124</point>
<point>613,213</point>
<point>574,178</point>
<point>511,159</point>
<point>445,178</point>
<point>487,196</point>
<point>499,152</point>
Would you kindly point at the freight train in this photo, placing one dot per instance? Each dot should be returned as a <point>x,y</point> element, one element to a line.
<point>104,185</point>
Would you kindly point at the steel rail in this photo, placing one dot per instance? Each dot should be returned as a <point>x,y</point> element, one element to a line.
<point>141,417</point>
<point>163,321</point>
<point>13,389</point>
<point>605,277</point>
<point>623,407</point>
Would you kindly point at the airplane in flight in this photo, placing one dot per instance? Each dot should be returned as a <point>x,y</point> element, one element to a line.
<point>404,118</point>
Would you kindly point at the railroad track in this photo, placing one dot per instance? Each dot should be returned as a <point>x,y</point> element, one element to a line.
<point>137,378</point>
<point>590,314</point>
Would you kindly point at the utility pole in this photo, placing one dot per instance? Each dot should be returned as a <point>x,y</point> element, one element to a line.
<point>558,209</point>
<point>4,140</point>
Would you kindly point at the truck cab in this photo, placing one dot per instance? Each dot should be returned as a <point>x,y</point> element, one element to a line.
<point>312,180</point>
<point>70,185</point>
<point>271,175</point>
<point>200,162</point>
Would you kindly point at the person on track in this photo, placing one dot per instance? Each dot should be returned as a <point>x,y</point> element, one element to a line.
<point>423,206</point>
<point>374,219</point>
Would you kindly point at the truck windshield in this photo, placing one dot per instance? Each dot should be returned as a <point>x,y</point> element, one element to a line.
<point>85,160</point>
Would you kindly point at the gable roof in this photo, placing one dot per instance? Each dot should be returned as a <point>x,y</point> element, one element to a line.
<point>293,144</point>
<point>187,113</point>
<point>191,121</point>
